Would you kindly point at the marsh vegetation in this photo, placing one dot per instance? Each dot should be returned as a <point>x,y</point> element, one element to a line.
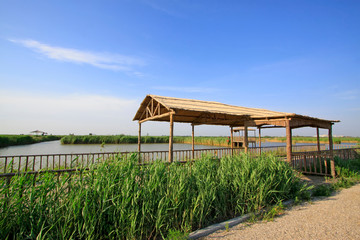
<point>121,200</point>
<point>12,140</point>
<point>203,140</point>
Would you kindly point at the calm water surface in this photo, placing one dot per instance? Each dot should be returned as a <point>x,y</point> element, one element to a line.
<point>55,147</point>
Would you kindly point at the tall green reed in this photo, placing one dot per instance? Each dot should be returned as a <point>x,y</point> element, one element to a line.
<point>121,200</point>
<point>114,139</point>
<point>11,140</point>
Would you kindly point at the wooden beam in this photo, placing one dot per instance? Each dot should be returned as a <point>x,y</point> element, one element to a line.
<point>152,107</point>
<point>298,123</point>
<point>275,122</point>
<point>288,142</point>
<point>139,142</point>
<point>246,140</point>
<point>155,117</point>
<point>193,141</point>
<point>272,127</point>
<point>232,140</point>
<point>260,139</point>
<point>142,115</point>
<point>157,109</point>
<point>318,139</point>
<point>331,148</point>
<point>171,137</point>
<point>149,110</point>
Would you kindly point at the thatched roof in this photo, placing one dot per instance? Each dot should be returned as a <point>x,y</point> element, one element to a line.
<point>159,108</point>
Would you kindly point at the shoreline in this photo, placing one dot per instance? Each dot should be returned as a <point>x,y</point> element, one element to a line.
<point>309,141</point>
<point>17,140</point>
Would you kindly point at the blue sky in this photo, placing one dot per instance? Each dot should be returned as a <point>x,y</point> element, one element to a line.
<point>85,66</point>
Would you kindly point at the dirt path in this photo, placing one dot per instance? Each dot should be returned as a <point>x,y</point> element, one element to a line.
<point>335,217</point>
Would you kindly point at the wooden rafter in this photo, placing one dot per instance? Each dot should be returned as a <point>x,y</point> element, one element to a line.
<point>155,117</point>
<point>153,110</point>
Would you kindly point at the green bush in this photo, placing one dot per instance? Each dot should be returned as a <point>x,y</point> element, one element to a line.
<point>323,190</point>
<point>116,139</point>
<point>12,140</point>
<point>348,174</point>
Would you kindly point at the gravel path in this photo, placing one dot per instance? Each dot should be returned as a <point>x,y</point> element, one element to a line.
<point>335,217</point>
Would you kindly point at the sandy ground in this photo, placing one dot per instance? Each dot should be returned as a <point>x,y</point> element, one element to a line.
<point>335,217</point>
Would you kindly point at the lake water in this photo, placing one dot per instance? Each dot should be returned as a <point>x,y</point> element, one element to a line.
<point>55,147</point>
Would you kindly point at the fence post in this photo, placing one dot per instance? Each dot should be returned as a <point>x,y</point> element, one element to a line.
<point>139,143</point>
<point>193,140</point>
<point>305,164</point>
<point>288,141</point>
<point>246,137</point>
<point>232,140</point>
<point>171,137</point>
<point>260,140</point>
<point>331,148</point>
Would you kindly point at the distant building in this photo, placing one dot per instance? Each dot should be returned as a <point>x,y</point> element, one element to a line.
<point>38,132</point>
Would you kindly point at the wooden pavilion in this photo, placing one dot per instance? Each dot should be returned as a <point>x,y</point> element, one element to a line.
<point>239,137</point>
<point>196,112</point>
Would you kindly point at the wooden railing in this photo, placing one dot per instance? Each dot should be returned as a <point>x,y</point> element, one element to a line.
<point>11,165</point>
<point>32,163</point>
<point>318,163</point>
<point>242,139</point>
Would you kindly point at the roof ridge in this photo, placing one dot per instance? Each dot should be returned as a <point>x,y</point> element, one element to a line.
<point>219,103</point>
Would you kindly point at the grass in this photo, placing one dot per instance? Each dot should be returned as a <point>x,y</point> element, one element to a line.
<point>276,210</point>
<point>348,174</point>
<point>122,200</point>
<point>212,141</point>
<point>209,140</point>
<point>12,140</point>
<point>118,139</point>
<point>300,139</point>
<point>114,139</point>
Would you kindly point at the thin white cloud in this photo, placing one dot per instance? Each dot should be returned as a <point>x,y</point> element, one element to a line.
<point>186,89</point>
<point>79,114</point>
<point>348,95</point>
<point>160,6</point>
<point>279,66</point>
<point>109,61</point>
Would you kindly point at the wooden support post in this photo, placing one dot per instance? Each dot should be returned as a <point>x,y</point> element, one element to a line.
<point>171,137</point>
<point>232,140</point>
<point>260,140</point>
<point>139,138</point>
<point>193,141</point>
<point>246,140</point>
<point>288,142</point>
<point>139,143</point>
<point>331,148</point>
<point>318,139</point>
